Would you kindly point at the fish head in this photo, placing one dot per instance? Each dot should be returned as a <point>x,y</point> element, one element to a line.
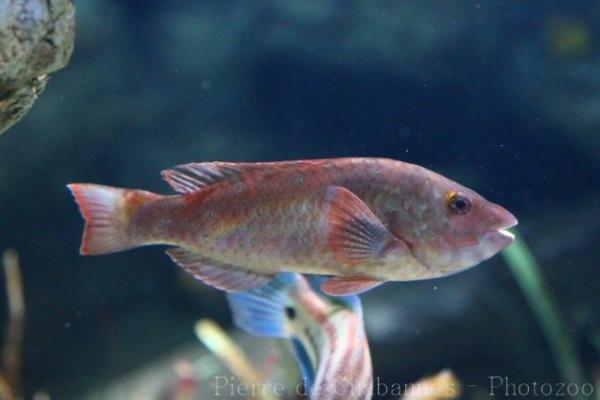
<point>447,226</point>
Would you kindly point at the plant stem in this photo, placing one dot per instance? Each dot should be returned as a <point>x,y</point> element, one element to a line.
<point>529,277</point>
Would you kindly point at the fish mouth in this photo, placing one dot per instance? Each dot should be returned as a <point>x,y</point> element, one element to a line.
<point>491,242</point>
<point>500,237</point>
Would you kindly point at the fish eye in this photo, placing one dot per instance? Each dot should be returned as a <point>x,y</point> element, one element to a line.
<point>458,203</point>
<point>290,313</point>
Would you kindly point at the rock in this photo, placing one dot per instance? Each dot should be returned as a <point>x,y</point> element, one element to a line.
<point>36,38</point>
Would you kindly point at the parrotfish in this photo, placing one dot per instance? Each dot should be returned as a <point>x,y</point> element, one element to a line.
<point>362,220</point>
<point>326,333</point>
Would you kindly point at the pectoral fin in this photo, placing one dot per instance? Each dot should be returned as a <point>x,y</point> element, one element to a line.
<point>223,276</point>
<point>349,285</point>
<point>355,234</point>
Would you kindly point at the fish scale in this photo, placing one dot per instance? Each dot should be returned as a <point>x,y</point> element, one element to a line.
<point>363,220</point>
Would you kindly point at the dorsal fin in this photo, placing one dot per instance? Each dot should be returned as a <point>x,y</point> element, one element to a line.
<point>188,178</point>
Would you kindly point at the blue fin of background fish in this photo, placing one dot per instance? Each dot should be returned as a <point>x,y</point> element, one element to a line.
<point>306,368</point>
<point>260,311</point>
<point>351,301</point>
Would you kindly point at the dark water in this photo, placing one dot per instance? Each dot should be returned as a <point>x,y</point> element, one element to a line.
<point>501,96</point>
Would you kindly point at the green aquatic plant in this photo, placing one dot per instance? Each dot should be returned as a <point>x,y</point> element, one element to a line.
<point>596,341</point>
<point>528,274</point>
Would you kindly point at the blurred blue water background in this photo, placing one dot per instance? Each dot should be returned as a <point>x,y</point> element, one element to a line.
<point>503,96</point>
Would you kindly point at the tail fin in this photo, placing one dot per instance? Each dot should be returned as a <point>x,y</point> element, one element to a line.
<point>106,213</point>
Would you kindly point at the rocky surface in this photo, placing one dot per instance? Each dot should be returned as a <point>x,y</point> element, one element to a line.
<point>36,38</point>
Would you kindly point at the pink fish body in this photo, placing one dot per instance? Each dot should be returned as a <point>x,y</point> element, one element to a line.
<point>364,220</point>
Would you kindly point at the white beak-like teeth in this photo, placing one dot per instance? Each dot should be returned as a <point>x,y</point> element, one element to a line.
<point>507,234</point>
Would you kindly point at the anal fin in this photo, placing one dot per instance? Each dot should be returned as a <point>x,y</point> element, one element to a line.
<point>220,275</point>
<point>349,285</point>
